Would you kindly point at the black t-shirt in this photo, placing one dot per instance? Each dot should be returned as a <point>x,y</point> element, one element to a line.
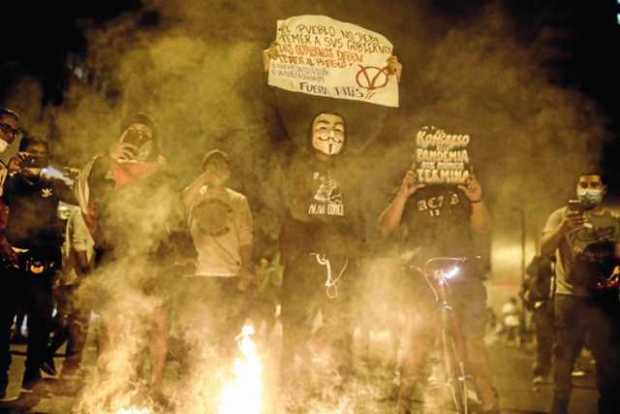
<point>33,212</point>
<point>436,222</point>
<point>322,211</point>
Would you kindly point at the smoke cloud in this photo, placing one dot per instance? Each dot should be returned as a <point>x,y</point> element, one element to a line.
<point>196,67</point>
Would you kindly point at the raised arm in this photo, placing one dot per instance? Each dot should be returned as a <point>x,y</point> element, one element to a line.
<point>389,220</point>
<point>558,225</point>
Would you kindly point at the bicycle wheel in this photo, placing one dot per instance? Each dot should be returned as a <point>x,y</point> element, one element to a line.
<point>455,374</point>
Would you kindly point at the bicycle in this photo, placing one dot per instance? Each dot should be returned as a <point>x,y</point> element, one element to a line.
<point>438,272</point>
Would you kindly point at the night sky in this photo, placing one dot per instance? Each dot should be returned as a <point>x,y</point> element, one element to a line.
<point>38,36</point>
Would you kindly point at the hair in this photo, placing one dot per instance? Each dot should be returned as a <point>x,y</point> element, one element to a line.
<point>344,121</point>
<point>138,118</point>
<point>214,153</point>
<point>28,141</point>
<point>9,112</point>
<point>594,171</point>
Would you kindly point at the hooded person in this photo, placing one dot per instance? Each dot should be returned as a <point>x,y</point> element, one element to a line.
<point>320,239</point>
<point>132,206</point>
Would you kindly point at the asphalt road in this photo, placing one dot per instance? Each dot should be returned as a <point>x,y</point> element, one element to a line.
<point>374,385</point>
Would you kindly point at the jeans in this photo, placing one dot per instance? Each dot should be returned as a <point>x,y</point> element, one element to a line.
<point>543,329</point>
<point>597,319</point>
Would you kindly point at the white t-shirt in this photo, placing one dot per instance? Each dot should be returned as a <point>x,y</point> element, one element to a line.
<point>220,223</point>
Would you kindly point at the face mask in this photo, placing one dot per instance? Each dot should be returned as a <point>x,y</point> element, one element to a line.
<point>327,143</point>
<point>590,197</point>
<point>3,145</point>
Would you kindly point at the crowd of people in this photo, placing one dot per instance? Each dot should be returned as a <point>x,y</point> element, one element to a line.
<point>130,225</point>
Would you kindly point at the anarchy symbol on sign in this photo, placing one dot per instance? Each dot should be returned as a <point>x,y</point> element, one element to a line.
<point>379,79</point>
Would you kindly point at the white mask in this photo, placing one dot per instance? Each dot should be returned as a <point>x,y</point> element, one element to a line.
<point>3,145</point>
<point>329,141</point>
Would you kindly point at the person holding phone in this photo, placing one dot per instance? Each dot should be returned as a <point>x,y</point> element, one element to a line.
<point>584,237</point>
<point>31,241</point>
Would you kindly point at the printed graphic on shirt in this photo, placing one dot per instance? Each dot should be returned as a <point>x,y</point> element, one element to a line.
<point>584,236</point>
<point>47,192</point>
<point>434,205</point>
<point>212,216</point>
<point>327,200</point>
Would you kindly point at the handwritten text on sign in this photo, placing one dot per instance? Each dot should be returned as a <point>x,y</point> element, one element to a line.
<point>318,55</point>
<point>441,157</point>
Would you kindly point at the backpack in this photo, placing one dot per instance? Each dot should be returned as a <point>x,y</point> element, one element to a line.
<point>537,286</point>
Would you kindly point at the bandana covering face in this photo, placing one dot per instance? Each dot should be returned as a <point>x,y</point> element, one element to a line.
<point>590,197</point>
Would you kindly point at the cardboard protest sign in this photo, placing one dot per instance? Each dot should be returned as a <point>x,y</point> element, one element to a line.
<point>441,157</point>
<point>318,55</point>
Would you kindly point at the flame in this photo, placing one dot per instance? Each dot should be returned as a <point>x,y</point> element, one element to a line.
<point>244,393</point>
<point>134,411</point>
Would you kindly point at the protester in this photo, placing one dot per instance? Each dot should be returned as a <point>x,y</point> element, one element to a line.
<point>584,237</point>
<point>321,240</point>
<point>458,221</point>
<point>537,293</point>
<point>222,230</point>
<point>73,314</point>
<point>131,204</point>
<point>32,239</point>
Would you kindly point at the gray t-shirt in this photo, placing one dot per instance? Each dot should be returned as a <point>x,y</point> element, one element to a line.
<point>600,226</point>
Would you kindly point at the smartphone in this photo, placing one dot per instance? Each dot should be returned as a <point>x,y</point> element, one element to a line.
<point>575,206</point>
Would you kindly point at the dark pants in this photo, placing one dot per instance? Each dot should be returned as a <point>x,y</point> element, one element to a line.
<point>304,295</point>
<point>575,319</point>
<point>543,329</point>
<point>10,293</point>
<point>72,327</point>
<point>34,292</point>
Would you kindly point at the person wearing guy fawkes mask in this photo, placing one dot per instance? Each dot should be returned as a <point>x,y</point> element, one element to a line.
<point>441,221</point>
<point>584,238</point>
<point>320,241</point>
<point>131,205</point>
<point>34,234</point>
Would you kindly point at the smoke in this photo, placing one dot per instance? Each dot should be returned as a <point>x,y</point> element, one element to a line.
<point>196,67</point>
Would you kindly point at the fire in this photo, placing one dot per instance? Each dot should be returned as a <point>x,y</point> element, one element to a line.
<point>244,393</point>
<point>134,411</point>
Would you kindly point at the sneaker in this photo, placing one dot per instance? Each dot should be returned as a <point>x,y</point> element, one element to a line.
<point>6,399</point>
<point>29,385</point>
<point>49,367</point>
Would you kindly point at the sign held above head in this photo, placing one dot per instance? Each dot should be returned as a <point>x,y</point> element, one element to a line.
<point>321,56</point>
